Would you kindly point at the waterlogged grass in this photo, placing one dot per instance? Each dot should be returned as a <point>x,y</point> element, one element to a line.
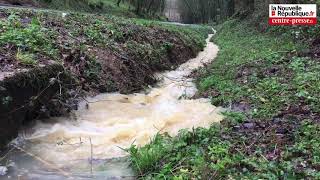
<point>271,130</point>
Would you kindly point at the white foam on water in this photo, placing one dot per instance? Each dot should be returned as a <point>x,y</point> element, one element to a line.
<point>115,120</point>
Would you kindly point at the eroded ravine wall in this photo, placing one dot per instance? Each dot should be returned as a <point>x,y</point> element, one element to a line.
<point>24,95</point>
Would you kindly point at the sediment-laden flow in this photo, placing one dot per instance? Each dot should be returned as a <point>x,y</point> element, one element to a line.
<point>114,121</point>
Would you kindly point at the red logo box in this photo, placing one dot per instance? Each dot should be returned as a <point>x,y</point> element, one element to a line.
<point>292,14</point>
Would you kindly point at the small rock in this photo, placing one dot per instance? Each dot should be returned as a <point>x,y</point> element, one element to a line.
<point>26,21</point>
<point>64,15</point>
<point>248,125</point>
<point>3,170</point>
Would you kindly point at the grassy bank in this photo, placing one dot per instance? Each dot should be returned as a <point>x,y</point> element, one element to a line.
<point>93,43</point>
<point>269,84</point>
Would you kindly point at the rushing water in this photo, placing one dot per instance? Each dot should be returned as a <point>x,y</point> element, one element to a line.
<point>89,144</point>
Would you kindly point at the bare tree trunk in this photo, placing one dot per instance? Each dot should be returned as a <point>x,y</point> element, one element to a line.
<point>118,2</point>
<point>138,6</point>
<point>149,7</point>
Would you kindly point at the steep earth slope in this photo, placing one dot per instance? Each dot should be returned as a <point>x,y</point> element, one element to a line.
<point>49,59</point>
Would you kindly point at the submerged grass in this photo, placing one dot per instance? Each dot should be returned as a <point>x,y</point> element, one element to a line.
<point>271,130</point>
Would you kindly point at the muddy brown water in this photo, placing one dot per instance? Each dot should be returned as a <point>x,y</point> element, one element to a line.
<point>89,144</point>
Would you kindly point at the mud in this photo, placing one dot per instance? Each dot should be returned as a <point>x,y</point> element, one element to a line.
<point>112,122</point>
<point>28,95</point>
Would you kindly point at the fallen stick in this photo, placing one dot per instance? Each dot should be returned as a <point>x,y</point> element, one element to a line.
<point>44,162</point>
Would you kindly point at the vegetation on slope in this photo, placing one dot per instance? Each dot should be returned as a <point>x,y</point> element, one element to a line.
<point>91,6</point>
<point>269,83</point>
<point>102,53</point>
<point>29,38</point>
<point>125,8</point>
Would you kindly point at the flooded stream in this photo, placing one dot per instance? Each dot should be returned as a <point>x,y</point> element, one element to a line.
<point>89,145</point>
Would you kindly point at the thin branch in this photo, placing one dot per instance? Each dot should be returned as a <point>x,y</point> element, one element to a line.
<point>50,165</point>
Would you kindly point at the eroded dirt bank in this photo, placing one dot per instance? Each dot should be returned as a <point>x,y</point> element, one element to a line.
<point>96,53</point>
<point>81,146</point>
<point>27,95</point>
<point>19,2</point>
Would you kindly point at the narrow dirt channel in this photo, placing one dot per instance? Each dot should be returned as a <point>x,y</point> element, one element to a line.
<point>88,144</point>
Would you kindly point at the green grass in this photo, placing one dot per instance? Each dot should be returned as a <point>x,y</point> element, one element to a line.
<point>37,36</point>
<point>261,69</point>
<point>98,53</point>
<point>239,47</point>
<point>277,137</point>
<point>26,58</point>
<point>30,38</point>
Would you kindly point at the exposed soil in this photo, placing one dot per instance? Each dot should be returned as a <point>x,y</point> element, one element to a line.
<point>123,62</point>
<point>19,3</point>
<point>31,95</point>
<point>126,68</point>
